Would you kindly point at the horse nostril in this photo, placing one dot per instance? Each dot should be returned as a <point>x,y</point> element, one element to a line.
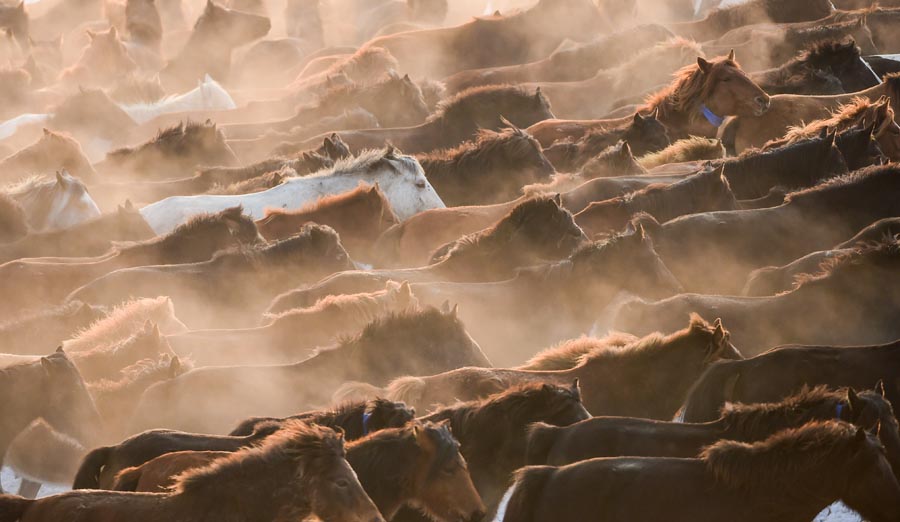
<point>762,101</point>
<point>477,516</point>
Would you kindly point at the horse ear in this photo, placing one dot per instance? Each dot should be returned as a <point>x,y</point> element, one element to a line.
<point>60,178</point>
<point>59,349</point>
<point>21,6</point>
<point>731,55</point>
<point>703,64</point>
<point>557,198</point>
<point>406,78</point>
<point>46,131</point>
<point>638,118</point>
<point>853,401</point>
<point>829,139</point>
<point>174,367</point>
<point>576,388</point>
<point>655,113</point>
<point>538,95</point>
<point>625,150</point>
<point>113,32</point>
<point>879,387</point>
<point>445,307</point>
<point>129,205</point>
<point>861,437</point>
<point>404,291</point>
<point>91,34</point>
<point>876,429</point>
<point>47,365</point>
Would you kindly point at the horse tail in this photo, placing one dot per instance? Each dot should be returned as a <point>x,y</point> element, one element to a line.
<point>88,475</point>
<point>539,440</point>
<point>128,479</point>
<point>526,493</point>
<point>714,388</point>
<point>406,389</point>
<point>386,249</point>
<point>13,508</point>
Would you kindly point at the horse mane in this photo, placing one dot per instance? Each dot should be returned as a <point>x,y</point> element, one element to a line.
<point>334,200</point>
<point>825,53</point>
<point>568,354</point>
<point>382,327</point>
<point>686,91</point>
<point>366,160</point>
<point>37,184</point>
<point>121,323</point>
<point>883,253</point>
<point>139,373</point>
<point>843,117</point>
<point>877,178</point>
<point>485,143</point>
<point>259,183</point>
<point>47,313</point>
<point>197,223</point>
<point>294,442</point>
<point>173,138</point>
<point>652,197</point>
<point>892,85</point>
<point>779,461</point>
<point>695,148</point>
<point>363,62</point>
<point>752,418</point>
<point>363,306</point>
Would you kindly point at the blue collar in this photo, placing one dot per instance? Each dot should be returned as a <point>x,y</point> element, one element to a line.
<point>714,119</point>
<point>839,410</point>
<point>365,422</point>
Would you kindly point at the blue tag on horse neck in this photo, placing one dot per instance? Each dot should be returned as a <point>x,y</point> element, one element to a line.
<point>711,117</point>
<point>365,422</point>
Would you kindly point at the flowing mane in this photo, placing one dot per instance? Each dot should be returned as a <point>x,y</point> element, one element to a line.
<point>882,254</point>
<point>176,139</point>
<point>311,241</point>
<point>782,460</point>
<point>755,418</point>
<point>879,178</point>
<point>858,111</point>
<point>686,92</point>
<point>459,107</point>
<point>361,191</point>
<point>121,323</point>
<point>569,354</point>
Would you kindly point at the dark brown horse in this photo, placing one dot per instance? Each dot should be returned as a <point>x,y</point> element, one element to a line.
<point>702,192</point>
<point>357,419</point>
<point>733,480</point>
<point>493,168</point>
<point>237,284</point>
<point>309,458</point>
<point>457,119</point>
<point>359,216</point>
<point>601,373</point>
<point>409,343</point>
<point>719,21</point>
<point>634,437</point>
<point>50,388</point>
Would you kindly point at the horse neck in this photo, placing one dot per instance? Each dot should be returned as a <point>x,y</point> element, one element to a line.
<point>368,459</point>
<point>681,124</point>
<point>21,385</point>
<point>28,158</point>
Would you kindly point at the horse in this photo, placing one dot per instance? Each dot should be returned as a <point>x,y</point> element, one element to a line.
<point>705,191</point>
<point>786,110</point>
<point>731,479</point>
<point>34,282</point>
<point>804,222</point>
<point>694,348</point>
<point>52,204</point>
<point>491,431</point>
<point>50,388</point>
<point>579,62</point>
<point>408,343</point>
<point>493,40</point>
<point>94,119</point>
<point>535,231</point>
<point>122,322</point>
<point>300,454</point>
<point>683,151</point>
<point>457,119</point>
<point>399,177</point>
<point>614,161</point>
<point>359,216</point>
<point>719,21</point>
<point>644,135</point>
<point>13,221</point>
<point>634,437</point>
<point>46,327</point>
<point>176,149</point>
<point>694,104</point>
<point>423,462</point>
<point>490,169</point>
<point>15,19</point>
<point>288,335</point>
<point>216,33</point>
<point>209,95</point>
<point>832,59</point>
<point>103,61</point>
<point>53,151</point>
<point>235,284</point>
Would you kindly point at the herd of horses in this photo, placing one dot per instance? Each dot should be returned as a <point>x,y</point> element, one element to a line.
<point>367,260</point>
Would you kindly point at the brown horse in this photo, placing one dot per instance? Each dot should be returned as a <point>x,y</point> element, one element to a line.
<point>852,294</point>
<point>836,59</point>
<point>693,349</point>
<point>493,40</point>
<point>457,119</point>
<point>702,192</point>
<point>683,151</point>
<point>614,161</point>
<point>788,110</point>
<point>290,335</point>
<point>633,437</point>
<point>46,327</point>
<point>644,134</point>
<point>568,64</point>
<point>719,21</point>
<point>694,104</point>
<point>358,216</point>
<point>177,149</point>
<point>53,151</point>
<point>103,62</point>
<point>536,231</point>
<point>50,388</point>
<point>236,284</point>
<point>491,431</point>
<point>490,169</point>
<point>733,480</point>
<point>124,321</point>
<point>32,282</point>
<point>217,32</point>
<point>309,458</point>
<point>409,343</point>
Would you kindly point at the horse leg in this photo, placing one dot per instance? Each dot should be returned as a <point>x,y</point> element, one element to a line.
<point>29,489</point>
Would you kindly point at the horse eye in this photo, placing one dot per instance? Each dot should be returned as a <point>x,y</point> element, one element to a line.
<point>420,184</point>
<point>341,483</point>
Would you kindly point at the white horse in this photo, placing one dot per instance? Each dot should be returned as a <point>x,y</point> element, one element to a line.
<point>400,177</point>
<point>207,96</point>
<point>52,204</point>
